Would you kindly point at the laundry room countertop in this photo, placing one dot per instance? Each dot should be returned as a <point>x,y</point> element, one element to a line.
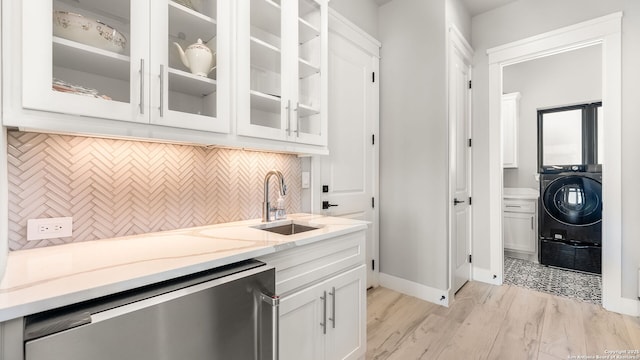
<point>520,193</point>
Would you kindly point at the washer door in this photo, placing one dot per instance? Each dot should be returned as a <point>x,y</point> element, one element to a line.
<point>574,200</point>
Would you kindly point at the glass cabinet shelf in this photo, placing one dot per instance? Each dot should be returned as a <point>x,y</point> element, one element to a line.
<point>306,110</point>
<point>263,14</point>
<point>191,23</point>
<point>187,83</point>
<point>265,56</point>
<point>306,69</point>
<point>306,31</point>
<point>81,57</point>
<point>265,102</point>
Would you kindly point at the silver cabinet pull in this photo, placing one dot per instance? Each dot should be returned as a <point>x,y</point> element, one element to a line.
<point>531,223</point>
<point>297,119</point>
<point>274,301</point>
<point>161,90</point>
<point>141,104</point>
<point>333,307</point>
<point>324,313</point>
<point>288,109</point>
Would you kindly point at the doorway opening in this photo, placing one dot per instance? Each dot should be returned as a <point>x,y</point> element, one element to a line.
<point>606,31</point>
<point>549,132</point>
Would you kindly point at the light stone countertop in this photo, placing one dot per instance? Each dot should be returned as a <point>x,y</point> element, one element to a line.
<point>40,279</point>
<point>520,193</point>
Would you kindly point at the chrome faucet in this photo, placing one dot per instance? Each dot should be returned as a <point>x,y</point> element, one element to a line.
<point>266,205</point>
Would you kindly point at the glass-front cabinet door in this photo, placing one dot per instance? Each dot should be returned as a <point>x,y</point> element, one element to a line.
<point>85,57</point>
<point>312,82</point>
<point>282,51</point>
<point>160,62</point>
<point>189,73</point>
<point>264,104</point>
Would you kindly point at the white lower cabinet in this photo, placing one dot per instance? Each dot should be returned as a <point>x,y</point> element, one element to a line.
<point>520,231</point>
<point>325,321</point>
<point>323,301</point>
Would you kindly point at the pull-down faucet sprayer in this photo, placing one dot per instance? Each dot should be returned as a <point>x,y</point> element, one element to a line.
<point>266,205</point>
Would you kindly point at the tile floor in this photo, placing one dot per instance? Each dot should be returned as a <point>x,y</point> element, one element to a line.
<point>565,283</point>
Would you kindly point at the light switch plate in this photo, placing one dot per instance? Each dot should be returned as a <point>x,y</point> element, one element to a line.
<point>305,180</point>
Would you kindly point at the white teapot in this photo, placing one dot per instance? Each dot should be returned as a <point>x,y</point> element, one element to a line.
<point>198,58</point>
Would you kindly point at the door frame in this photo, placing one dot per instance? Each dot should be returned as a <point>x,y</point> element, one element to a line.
<point>345,28</point>
<point>457,42</point>
<point>607,31</point>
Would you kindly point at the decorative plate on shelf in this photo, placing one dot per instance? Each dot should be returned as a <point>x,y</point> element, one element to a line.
<point>88,31</point>
<point>63,86</point>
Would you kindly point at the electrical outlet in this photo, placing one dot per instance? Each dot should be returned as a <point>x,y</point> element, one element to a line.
<point>49,228</point>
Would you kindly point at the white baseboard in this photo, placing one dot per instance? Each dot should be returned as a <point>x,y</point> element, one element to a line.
<point>414,289</point>
<point>622,305</point>
<point>486,276</point>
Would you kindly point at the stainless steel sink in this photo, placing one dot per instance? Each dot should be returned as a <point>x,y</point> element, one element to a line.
<point>289,228</point>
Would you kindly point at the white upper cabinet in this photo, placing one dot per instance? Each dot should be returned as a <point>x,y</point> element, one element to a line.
<point>189,68</point>
<point>510,120</point>
<point>245,73</point>
<point>73,63</point>
<point>282,62</point>
<point>125,66</point>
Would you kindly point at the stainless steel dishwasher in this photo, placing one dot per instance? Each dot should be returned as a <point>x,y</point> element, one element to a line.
<point>226,313</point>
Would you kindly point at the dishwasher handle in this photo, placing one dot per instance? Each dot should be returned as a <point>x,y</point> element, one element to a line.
<point>57,324</point>
<point>274,302</point>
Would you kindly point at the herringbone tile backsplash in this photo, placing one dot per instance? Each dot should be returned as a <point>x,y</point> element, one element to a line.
<point>117,187</point>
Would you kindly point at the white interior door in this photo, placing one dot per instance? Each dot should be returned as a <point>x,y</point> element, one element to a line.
<point>348,176</point>
<point>460,167</point>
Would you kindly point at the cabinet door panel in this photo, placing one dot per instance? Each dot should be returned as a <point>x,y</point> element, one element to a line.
<point>85,58</point>
<point>265,107</point>
<point>311,84</point>
<point>190,68</point>
<point>301,335</point>
<point>282,51</point>
<point>347,317</point>
<point>519,232</point>
<point>510,119</point>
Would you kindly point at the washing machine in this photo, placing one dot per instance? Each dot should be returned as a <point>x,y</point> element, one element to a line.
<point>571,217</point>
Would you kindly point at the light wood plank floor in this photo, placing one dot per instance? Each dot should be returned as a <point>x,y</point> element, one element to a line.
<point>494,322</point>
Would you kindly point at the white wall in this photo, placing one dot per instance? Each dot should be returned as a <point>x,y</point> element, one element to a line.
<point>564,79</point>
<point>363,13</point>
<point>458,14</point>
<point>413,142</point>
<point>4,193</point>
<point>526,18</point>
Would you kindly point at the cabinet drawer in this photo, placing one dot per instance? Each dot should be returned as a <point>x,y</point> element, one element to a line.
<point>307,264</point>
<point>521,206</point>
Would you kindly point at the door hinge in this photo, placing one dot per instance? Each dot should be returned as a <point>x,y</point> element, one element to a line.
<point>469,258</point>
<point>469,142</point>
<point>373,203</point>
<point>469,200</point>
<point>373,77</point>
<point>373,139</point>
<point>469,84</point>
<point>373,264</point>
